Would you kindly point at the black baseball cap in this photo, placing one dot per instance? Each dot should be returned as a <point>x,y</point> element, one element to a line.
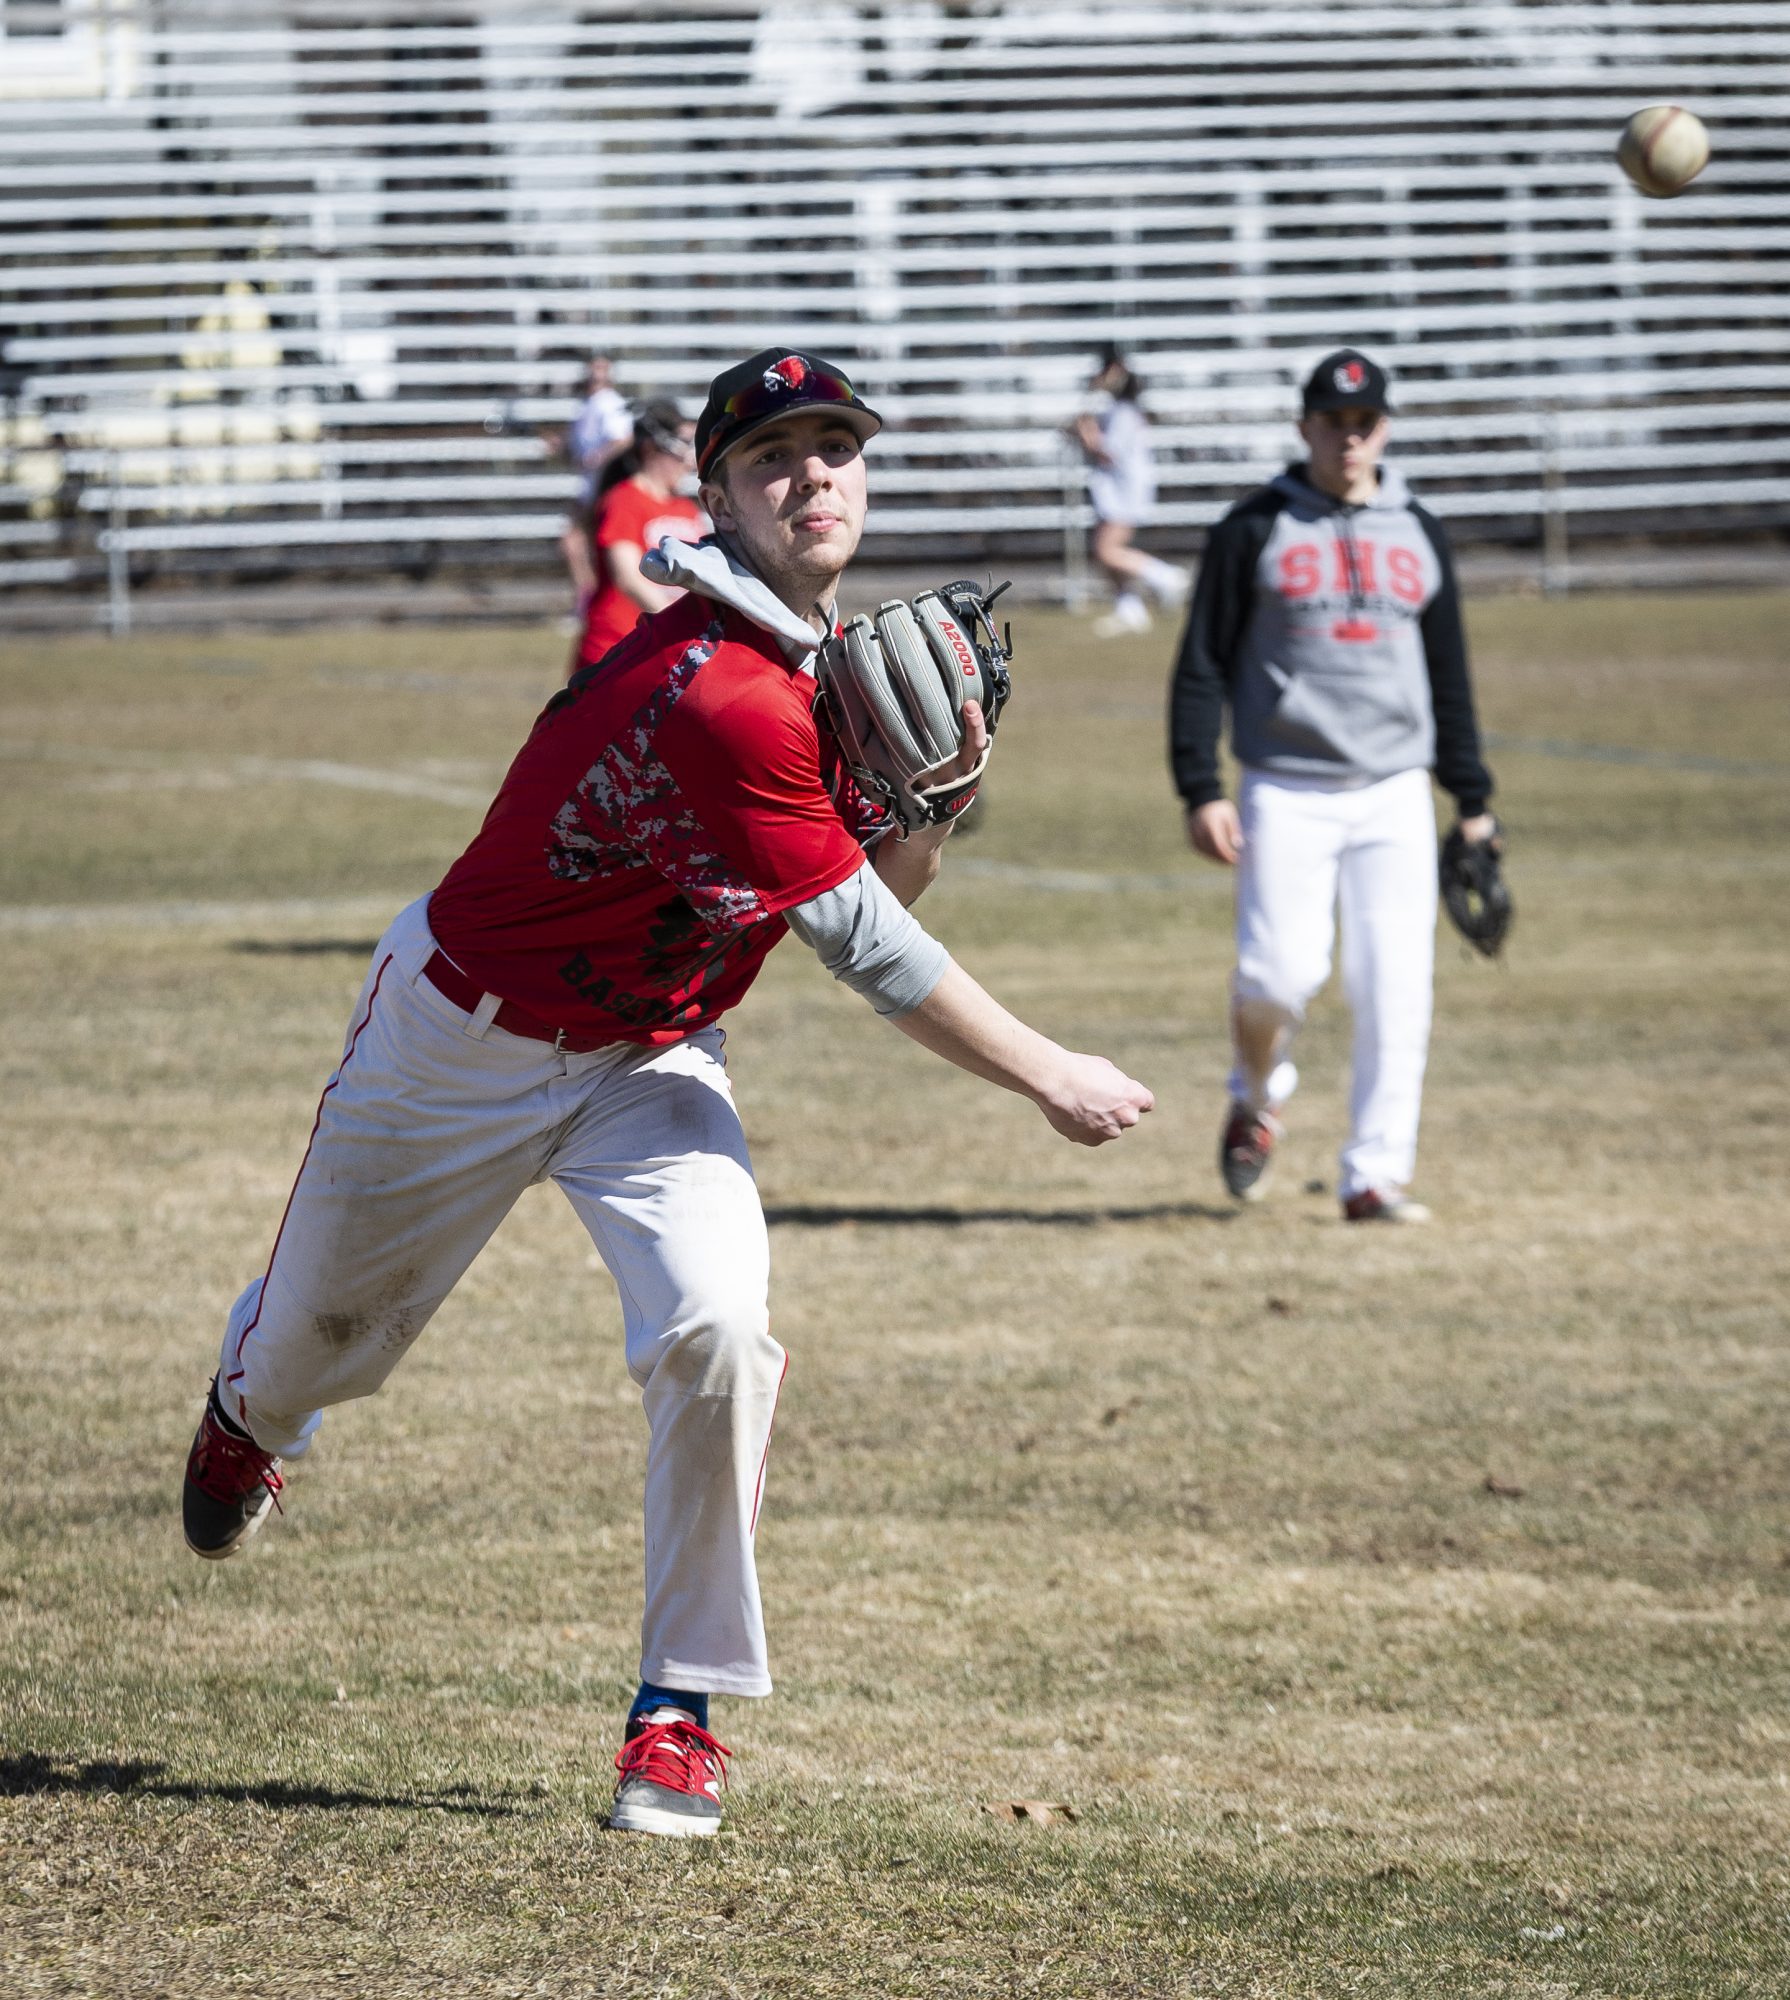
<point>751,394</point>
<point>1346,380</point>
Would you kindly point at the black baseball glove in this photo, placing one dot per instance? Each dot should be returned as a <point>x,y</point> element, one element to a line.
<point>892,689</point>
<point>1474,892</point>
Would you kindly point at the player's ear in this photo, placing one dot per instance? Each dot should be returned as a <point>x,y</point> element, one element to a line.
<point>712,494</point>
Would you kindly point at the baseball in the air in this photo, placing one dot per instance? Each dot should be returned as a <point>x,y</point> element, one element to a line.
<point>1663,148</point>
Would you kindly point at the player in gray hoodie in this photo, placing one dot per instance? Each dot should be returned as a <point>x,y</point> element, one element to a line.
<point>1327,621</point>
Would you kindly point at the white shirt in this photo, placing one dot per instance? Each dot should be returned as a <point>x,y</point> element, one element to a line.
<point>1125,490</point>
<point>602,420</point>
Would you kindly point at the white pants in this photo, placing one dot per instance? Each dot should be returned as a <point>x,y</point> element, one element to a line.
<point>1310,844</point>
<point>425,1137</point>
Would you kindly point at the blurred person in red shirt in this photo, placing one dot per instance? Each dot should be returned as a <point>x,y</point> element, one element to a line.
<point>640,499</point>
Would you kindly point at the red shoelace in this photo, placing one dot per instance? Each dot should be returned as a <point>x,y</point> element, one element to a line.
<point>226,1467</point>
<point>680,1755</point>
<point>1249,1136</point>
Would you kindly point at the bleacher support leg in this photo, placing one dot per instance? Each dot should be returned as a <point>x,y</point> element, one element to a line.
<point>1075,552</point>
<point>118,591</point>
<point>1556,570</point>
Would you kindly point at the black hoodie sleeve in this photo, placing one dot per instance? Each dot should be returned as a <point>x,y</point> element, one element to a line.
<point>1459,768</point>
<point>1206,667</point>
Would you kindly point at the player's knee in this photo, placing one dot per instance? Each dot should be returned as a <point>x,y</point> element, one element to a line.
<point>1278,985</point>
<point>722,1349</point>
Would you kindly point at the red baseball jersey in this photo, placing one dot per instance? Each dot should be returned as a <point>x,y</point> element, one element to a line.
<point>669,805</point>
<point>628,513</point>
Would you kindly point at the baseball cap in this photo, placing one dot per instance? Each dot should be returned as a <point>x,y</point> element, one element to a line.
<point>1346,380</point>
<point>751,394</point>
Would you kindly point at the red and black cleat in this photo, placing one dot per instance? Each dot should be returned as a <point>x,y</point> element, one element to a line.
<point>1383,1205</point>
<point>673,1772</point>
<point>1246,1152</point>
<point>231,1486</point>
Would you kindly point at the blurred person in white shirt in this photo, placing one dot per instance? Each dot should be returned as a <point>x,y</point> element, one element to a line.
<point>602,428</point>
<point>1114,435</point>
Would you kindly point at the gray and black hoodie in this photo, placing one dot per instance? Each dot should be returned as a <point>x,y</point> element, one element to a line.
<point>1333,632</point>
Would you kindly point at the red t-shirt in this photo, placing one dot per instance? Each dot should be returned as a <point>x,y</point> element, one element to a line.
<point>629,513</point>
<point>668,806</point>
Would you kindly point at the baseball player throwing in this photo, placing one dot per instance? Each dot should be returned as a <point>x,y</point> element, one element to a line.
<point>1326,619</point>
<point>551,1012</point>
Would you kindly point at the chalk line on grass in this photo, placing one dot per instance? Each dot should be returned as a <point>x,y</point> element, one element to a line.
<point>159,769</point>
<point>38,918</point>
<point>41,918</point>
<point>1618,753</point>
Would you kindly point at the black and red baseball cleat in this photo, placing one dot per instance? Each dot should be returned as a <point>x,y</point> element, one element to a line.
<point>231,1485</point>
<point>1386,1204</point>
<point>1246,1152</point>
<point>673,1772</point>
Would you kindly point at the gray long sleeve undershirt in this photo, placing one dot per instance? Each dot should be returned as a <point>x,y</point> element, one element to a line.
<point>867,941</point>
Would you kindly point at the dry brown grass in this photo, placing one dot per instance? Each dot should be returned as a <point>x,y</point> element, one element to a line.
<point>1083,1488</point>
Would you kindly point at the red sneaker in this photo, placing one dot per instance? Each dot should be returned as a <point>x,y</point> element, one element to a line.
<point>673,1773</point>
<point>1383,1205</point>
<point>231,1484</point>
<point>1246,1152</point>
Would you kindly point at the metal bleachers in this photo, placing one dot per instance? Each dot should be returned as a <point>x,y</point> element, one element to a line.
<point>278,289</point>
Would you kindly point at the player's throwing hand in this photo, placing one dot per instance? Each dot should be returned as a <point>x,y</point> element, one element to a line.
<point>1093,1100</point>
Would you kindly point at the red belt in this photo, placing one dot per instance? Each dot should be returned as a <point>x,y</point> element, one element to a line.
<point>452,984</point>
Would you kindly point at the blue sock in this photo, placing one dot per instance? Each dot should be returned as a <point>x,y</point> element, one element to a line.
<point>651,1697</point>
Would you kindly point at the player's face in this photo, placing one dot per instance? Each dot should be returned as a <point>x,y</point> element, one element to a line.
<point>794,498</point>
<point>1345,447</point>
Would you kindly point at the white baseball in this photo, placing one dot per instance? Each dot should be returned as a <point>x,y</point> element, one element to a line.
<point>1663,148</point>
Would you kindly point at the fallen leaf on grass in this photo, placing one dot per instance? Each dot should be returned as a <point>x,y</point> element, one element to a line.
<point>1502,1489</point>
<point>1281,1308</point>
<point>1039,1812</point>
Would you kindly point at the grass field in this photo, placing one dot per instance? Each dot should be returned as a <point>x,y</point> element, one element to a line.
<point>1400,1612</point>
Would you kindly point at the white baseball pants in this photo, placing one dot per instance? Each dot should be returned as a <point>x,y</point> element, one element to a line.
<point>426,1135</point>
<point>1311,845</point>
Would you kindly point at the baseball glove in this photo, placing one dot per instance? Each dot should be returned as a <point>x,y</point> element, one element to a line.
<point>892,690</point>
<point>1474,892</point>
